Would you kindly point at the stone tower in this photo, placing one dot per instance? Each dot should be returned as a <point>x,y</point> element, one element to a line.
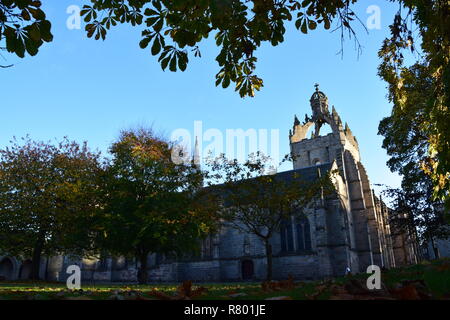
<point>364,242</point>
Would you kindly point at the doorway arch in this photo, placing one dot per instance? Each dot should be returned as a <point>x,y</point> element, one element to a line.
<point>6,269</point>
<point>248,269</point>
<point>25,270</point>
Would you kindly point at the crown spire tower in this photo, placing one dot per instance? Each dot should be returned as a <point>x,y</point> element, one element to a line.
<point>339,138</point>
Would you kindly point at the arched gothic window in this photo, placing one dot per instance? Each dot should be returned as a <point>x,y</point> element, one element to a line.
<point>287,238</point>
<point>246,246</point>
<point>207,248</point>
<point>303,234</point>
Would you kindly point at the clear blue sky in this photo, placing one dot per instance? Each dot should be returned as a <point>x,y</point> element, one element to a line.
<point>90,90</point>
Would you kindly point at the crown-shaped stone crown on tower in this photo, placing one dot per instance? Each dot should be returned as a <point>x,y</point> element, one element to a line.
<point>319,103</point>
<point>320,116</point>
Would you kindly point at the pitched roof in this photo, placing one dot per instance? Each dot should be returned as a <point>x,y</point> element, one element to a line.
<point>306,174</point>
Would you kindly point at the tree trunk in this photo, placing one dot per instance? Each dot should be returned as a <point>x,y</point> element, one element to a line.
<point>36,260</point>
<point>269,259</point>
<point>142,271</point>
<point>435,249</point>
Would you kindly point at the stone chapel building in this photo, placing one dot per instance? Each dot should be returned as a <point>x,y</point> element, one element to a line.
<point>347,230</point>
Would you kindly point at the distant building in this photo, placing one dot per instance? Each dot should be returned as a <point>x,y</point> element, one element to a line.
<point>343,233</point>
<point>437,248</point>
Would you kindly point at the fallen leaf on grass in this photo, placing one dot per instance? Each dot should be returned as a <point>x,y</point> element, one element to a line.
<point>443,267</point>
<point>184,292</point>
<point>236,295</point>
<point>269,286</point>
<point>406,293</point>
<point>411,290</point>
<point>77,298</point>
<point>319,291</point>
<point>342,296</point>
<point>279,298</point>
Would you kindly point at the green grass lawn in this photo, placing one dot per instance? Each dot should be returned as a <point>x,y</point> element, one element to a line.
<point>434,278</point>
<point>215,291</point>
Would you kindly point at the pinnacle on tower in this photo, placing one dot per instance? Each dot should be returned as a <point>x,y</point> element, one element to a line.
<point>307,118</point>
<point>336,118</point>
<point>196,158</point>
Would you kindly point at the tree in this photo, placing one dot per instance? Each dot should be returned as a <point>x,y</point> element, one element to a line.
<point>175,29</point>
<point>240,27</point>
<point>153,204</point>
<point>256,203</point>
<point>417,132</point>
<point>23,27</point>
<point>415,214</point>
<point>48,198</point>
